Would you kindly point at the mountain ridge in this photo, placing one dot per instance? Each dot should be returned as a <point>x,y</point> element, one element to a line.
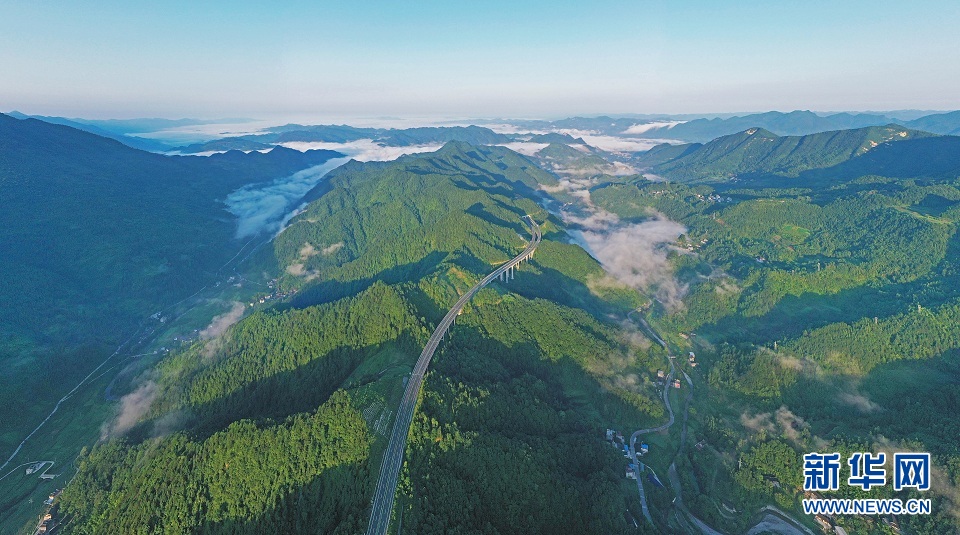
<point>99,236</point>
<point>759,151</point>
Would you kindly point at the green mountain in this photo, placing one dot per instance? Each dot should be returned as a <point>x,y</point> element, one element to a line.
<point>474,135</point>
<point>566,160</point>
<point>823,312</point>
<point>759,152</point>
<point>97,237</point>
<point>666,152</point>
<point>332,133</point>
<point>554,137</point>
<point>283,421</point>
<point>390,137</point>
<point>817,294</point>
<point>121,136</point>
<point>939,123</point>
<point>702,129</point>
<point>391,234</point>
<point>795,123</point>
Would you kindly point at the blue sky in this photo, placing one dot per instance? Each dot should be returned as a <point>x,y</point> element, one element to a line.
<point>475,59</point>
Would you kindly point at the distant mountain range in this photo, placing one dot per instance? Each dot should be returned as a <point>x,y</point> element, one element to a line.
<point>941,123</point>
<point>565,131</point>
<point>225,144</point>
<point>475,135</point>
<point>795,123</point>
<point>130,141</point>
<point>798,123</point>
<point>701,130</point>
<point>295,133</point>
<point>124,130</point>
<point>757,151</point>
<point>554,137</point>
<point>578,159</point>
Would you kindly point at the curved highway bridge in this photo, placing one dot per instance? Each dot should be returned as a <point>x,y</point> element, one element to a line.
<point>393,457</point>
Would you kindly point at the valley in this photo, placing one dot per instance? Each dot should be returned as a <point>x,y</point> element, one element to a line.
<point>804,283</point>
<point>486,268</point>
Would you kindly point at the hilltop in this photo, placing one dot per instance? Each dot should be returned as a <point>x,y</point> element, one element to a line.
<point>757,151</point>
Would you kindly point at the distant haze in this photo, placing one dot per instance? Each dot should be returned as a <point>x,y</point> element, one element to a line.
<point>492,59</point>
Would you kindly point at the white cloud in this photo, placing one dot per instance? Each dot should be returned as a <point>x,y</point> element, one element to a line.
<point>525,147</point>
<point>636,254</point>
<point>266,206</point>
<point>758,422</point>
<point>209,152</point>
<point>790,423</point>
<point>623,144</point>
<point>597,221</point>
<point>218,326</point>
<point>512,129</point>
<point>330,249</point>
<point>132,407</point>
<point>222,322</point>
<point>646,127</point>
<point>364,150</point>
<point>858,401</point>
<point>195,133</point>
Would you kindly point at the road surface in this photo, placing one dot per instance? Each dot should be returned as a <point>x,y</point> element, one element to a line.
<point>393,457</point>
<point>666,401</point>
<point>777,521</point>
<point>684,514</point>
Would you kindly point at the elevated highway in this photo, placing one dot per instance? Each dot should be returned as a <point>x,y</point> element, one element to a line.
<point>385,492</point>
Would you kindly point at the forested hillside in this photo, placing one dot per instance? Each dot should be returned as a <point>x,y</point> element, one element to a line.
<point>820,294</point>
<point>760,152</point>
<point>823,311</point>
<point>97,237</point>
<point>533,372</point>
<point>376,221</point>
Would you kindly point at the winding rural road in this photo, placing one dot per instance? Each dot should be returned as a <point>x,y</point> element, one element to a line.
<point>673,478</point>
<point>666,401</point>
<point>383,496</point>
<point>684,514</point>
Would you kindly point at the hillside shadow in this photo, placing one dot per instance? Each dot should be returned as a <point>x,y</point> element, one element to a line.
<point>331,290</point>
<point>541,415</point>
<point>479,211</point>
<point>552,285</point>
<point>277,396</point>
<point>793,315</point>
<point>933,158</point>
<point>492,187</point>
<point>904,398</point>
<point>336,501</point>
<point>535,420</point>
<point>493,182</point>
